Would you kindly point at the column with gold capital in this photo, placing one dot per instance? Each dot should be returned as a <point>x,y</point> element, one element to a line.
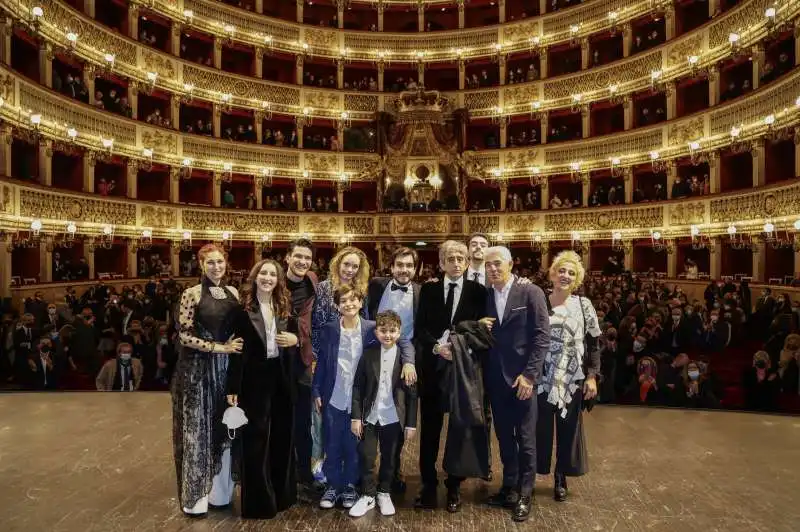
<point>340,73</point>
<point>758,152</point>
<point>715,257</point>
<point>585,190</point>
<point>89,7</point>
<point>545,193</point>
<point>132,178</point>
<point>298,69</point>
<point>381,8</point>
<point>462,74</point>
<point>543,63</point>
<point>586,121</point>
<point>758,63</point>
<point>6,30</point>
<point>46,64</point>
<point>796,151</point>
<point>258,118</point>
<point>340,5</point>
<point>217,52</point>
<point>545,256</point>
<point>627,39</point>
<point>259,7</point>
<point>298,187</point>
<point>503,195</point>
<point>175,111</point>
<point>88,80</point>
<point>133,99</point>
<point>46,259</point>
<point>174,184</point>
<point>503,68</point>
<point>586,256</point>
<point>713,8</point>
<point>627,112</point>
<point>461,17</point>
<point>133,262</point>
<point>672,173</point>
<point>713,86</point>
<point>340,197</point>
<point>175,257</point>
<point>89,247</point>
<point>672,260</point>
<point>216,190</point>
<point>258,62</point>
<point>796,269</point>
<point>46,162</point>
<point>627,261</point>
<point>501,11</point>
<point>585,53</point>
<point>759,260</point>
<point>216,120</point>
<point>420,15</point>
<point>381,72</point>
<point>299,11</point>
<point>5,150</point>
<point>175,38</point>
<point>669,21</point>
<point>672,100</point>
<point>627,177</point>
<point>89,161</point>
<point>5,265</point>
<point>714,172</point>
<point>133,21</point>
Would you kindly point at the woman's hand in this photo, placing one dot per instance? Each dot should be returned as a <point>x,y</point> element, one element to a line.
<point>318,405</point>
<point>234,345</point>
<point>356,428</point>
<point>286,339</point>
<point>590,389</point>
<point>409,374</point>
<point>233,400</point>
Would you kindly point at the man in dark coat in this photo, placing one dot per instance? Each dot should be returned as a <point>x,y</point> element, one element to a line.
<point>514,368</point>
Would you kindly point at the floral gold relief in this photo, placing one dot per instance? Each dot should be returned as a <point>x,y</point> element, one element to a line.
<point>415,225</point>
<point>687,213</point>
<point>158,217</point>
<point>321,224</point>
<point>484,224</point>
<point>361,225</point>
<point>521,223</point>
<point>77,208</point>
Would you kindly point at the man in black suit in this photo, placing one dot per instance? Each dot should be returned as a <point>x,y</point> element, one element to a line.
<point>477,243</point>
<point>449,300</point>
<point>400,295</point>
<point>513,369</point>
<point>41,365</point>
<point>54,318</point>
<point>24,342</point>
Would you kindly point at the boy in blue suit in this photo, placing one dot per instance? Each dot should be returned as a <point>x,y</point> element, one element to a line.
<point>341,346</point>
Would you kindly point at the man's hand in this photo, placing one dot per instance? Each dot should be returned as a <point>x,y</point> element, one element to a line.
<point>524,388</point>
<point>590,389</point>
<point>318,405</point>
<point>286,339</point>
<point>487,322</point>
<point>356,427</point>
<point>409,374</point>
<point>233,400</point>
<point>410,432</point>
<point>444,351</point>
<point>522,281</point>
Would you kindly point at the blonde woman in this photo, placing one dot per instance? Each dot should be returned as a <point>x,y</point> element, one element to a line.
<point>569,374</point>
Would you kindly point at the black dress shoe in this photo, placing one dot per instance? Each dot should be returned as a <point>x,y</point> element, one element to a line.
<point>398,485</point>
<point>217,507</point>
<point>426,500</point>
<point>489,477</point>
<point>560,489</point>
<point>453,501</point>
<point>505,498</point>
<point>522,509</point>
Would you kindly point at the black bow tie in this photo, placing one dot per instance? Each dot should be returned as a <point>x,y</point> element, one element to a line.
<point>398,287</point>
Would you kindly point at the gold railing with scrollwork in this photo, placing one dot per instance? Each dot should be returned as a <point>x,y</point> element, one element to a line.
<point>710,129</point>
<point>21,204</point>
<point>133,60</point>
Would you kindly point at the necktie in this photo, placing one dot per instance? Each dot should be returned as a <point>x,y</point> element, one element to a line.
<point>448,305</point>
<point>398,287</point>
<point>476,277</point>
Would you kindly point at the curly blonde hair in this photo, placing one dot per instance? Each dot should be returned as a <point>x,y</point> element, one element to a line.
<point>361,280</point>
<point>569,258</point>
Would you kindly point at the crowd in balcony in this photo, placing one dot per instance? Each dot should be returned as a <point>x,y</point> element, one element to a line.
<point>484,79</point>
<point>200,127</point>
<point>240,133</point>
<point>613,195</point>
<point>311,80</point>
<point>363,84</point>
<point>401,84</point>
<point>516,202</point>
<point>114,102</point>
<point>157,119</point>
<point>649,40</point>
<point>65,270</point>
<point>72,86</point>
<point>524,139</point>
<point>277,137</point>
<point>520,76</point>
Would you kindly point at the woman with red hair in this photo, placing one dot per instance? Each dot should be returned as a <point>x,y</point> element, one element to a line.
<point>201,444</point>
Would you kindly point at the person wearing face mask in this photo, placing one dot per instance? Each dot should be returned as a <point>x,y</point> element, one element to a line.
<point>717,333</point>
<point>671,380</point>
<point>201,445</point>
<point>262,383</point>
<point>42,366</point>
<point>24,339</point>
<point>165,355</point>
<point>123,374</point>
<point>53,317</point>
<point>609,359</point>
<point>761,384</point>
<point>678,334</point>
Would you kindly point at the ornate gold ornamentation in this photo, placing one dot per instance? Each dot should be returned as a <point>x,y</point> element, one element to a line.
<point>686,131</point>
<point>586,220</point>
<point>521,223</point>
<point>59,206</point>
<point>521,31</point>
<point>220,82</point>
<point>521,95</point>
<point>364,103</point>
<point>746,15</point>
<point>484,224</point>
<point>517,160</point>
<point>321,224</point>
<point>7,203</point>
<point>361,225</point>
<point>415,225</point>
<point>159,141</point>
<point>317,162</point>
<point>158,63</point>
<point>322,100</point>
<point>756,206</point>
<point>687,213</point>
<point>318,38</point>
<point>160,217</point>
<point>207,220</point>
<point>482,100</point>
<point>684,48</point>
<point>600,78</point>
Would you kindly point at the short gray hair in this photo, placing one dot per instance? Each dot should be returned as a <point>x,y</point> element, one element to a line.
<point>503,251</point>
<point>449,246</point>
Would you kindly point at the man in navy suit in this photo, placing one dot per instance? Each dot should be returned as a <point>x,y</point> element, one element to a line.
<point>448,301</point>
<point>401,295</point>
<point>521,333</point>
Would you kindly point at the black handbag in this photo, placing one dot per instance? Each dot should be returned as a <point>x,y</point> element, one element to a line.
<point>589,345</point>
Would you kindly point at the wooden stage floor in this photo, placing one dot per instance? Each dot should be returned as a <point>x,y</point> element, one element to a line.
<point>103,462</point>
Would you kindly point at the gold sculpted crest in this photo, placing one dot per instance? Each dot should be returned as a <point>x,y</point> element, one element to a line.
<point>420,224</point>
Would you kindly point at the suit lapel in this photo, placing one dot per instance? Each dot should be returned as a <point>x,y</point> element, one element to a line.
<point>258,323</point>
<point>511,301</point>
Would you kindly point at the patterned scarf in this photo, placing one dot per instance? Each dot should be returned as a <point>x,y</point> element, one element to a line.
<point>563,369</point>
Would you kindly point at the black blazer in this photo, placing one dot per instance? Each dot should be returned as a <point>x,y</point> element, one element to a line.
<point>377,286</point>
<point>365,389</point>
<point>251,328</point>
<point>431,322</point>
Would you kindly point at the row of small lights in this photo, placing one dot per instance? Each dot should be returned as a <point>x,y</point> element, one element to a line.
<point>535,106</point>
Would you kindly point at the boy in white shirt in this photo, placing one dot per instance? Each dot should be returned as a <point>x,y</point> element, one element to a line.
<point>383,406</point>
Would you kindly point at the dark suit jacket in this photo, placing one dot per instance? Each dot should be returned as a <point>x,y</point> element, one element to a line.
<point>377,286</point>
<point>522,340</point>
<point>432,320</point>
<point>251,328</point>
<point>365,389</point>
<point>328,359</point>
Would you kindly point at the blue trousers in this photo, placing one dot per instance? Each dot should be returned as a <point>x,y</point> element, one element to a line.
<point>515,427</point>
<point>341,465</point>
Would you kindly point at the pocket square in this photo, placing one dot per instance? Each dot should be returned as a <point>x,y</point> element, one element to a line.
<point>518,308</point>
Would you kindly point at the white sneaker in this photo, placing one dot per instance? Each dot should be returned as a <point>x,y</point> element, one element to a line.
<point>362,506</point>
<point>385,504</point>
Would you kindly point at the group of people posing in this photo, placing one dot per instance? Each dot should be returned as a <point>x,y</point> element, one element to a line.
<point>352,367</point>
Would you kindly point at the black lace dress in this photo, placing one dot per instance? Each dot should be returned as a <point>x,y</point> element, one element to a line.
<point>207,314</point>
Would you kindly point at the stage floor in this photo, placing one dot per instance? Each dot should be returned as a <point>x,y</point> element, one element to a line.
<point>103,462</point>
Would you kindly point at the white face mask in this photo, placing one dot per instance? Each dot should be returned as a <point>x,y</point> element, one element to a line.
<point>233,418</point>
<point>676,319</point>
<point>694,374</point>
<point>637,346</point>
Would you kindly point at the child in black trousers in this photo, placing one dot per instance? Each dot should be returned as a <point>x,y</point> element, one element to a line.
<point>383,406</point>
